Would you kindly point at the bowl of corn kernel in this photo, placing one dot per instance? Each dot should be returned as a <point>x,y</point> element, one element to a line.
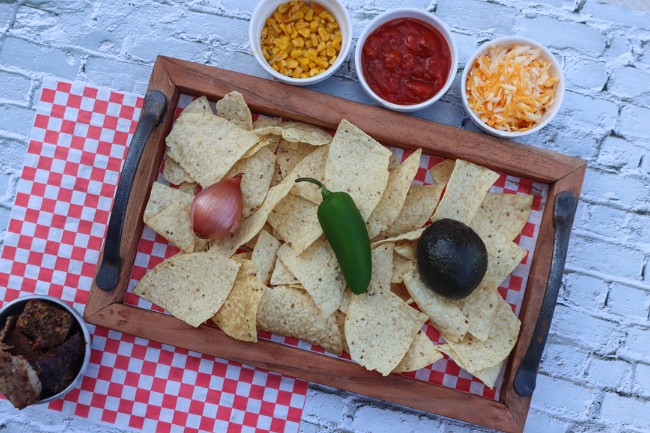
<point>300,42</point>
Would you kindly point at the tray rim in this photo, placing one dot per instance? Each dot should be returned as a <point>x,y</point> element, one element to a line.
<point>561,172</point>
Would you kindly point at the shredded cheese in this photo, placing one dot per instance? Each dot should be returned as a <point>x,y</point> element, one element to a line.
<point>510,89</point>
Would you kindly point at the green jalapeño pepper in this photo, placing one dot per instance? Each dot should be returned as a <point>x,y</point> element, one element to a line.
<point>346,232</point>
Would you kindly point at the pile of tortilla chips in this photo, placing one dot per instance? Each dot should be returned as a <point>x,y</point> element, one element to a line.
<point>285,279</point>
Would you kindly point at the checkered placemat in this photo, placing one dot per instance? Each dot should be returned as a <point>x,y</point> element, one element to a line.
<point>52,246</point>
<point>153,249</point>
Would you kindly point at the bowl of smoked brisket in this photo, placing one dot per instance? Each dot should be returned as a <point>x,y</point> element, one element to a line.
<point>44,350</point>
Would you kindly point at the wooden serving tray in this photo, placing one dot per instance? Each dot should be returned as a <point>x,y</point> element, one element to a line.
<point>173,77</point>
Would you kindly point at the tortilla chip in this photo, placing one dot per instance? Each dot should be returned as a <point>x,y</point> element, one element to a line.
<point>490,375</point>
<point>421,353</point>
<point>487,375</point>
<point>161,197</point>
<point>174,224</point>
<point>258,171</point>
<point>192,287</point>
<point>418,207</point>
<point>237,317</point>
<point>207,146</point>
<point>445,315</point>
<point>382,266</point>
<point>233,108</point>
<point>345,301</point>
<point>297,222</point>
<point>407,249</point>
<point>465,191</point>
<point>318,271</point>
<point>292,312</point>
<point>199,105</point>
<point>188,187</point>
<point>282,276</point>
<point>408,236</point>
<point>298,132</point>
<point>481,306</point>
<point>358,165</point>
<point>314,167</point>
<point>401,267</point>
<point>441,172</point>
<point>264,121</point>
<point>392,200</point>
<point>200,244</point>
<point>270,143</point>
<point>340,321</point>
<point>289,158</point>
<point>380,328</point>
<point>264,255</point>
<point>502,216</point>
<point>477,355</point>
<point>174,173</point>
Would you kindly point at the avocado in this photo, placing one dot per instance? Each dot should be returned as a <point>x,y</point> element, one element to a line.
<point>452,258</point>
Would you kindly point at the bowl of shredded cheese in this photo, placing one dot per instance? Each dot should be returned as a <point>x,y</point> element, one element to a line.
<point>300,42</point>
<point>512,87</point>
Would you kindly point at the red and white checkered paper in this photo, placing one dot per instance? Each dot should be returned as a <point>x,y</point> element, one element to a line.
<point>153,249</point>
<point>52,245</point>
<point>55,233</point>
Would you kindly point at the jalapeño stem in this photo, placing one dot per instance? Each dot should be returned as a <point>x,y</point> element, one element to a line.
<point>324,191</point>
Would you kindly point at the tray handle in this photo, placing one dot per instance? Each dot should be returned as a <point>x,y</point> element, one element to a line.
<point>563,214</point>
<point>153,108</point>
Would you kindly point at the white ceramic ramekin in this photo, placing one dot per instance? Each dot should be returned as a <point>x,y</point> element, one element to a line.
<point>548,115</point>
<point>264,10</point>
<point>421,15</point>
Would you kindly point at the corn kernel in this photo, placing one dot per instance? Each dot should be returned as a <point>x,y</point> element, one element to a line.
<point>282,43</point>
<point>323,34</point>
<point>321,47</point>
<point>308,43</point>
<point>321,62</point>
<point>303,61</point>
<point>291,63</point>
<point>336,42</point>
<point>295,53</point>
<point>298,42</point>
<point>315,71</point>
<point>313,26</point>
<point>311,54</point>
<point>304,32</point>
<point>314,40</point>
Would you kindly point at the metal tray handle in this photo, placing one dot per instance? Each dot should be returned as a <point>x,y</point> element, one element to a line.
<point>153,108</point>
<point>563,213</point>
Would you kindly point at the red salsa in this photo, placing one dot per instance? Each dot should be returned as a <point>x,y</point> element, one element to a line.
<point>406,61</point>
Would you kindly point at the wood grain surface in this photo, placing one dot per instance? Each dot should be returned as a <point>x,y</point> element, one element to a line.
<point>561,172</point>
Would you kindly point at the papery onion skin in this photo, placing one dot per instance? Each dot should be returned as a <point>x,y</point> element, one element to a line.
<point>217,210</point>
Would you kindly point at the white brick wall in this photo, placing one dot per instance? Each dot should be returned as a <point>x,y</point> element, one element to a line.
<point>595,376</point>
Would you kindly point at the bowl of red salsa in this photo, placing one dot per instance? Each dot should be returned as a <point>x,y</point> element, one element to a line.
<point>406,59</point>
